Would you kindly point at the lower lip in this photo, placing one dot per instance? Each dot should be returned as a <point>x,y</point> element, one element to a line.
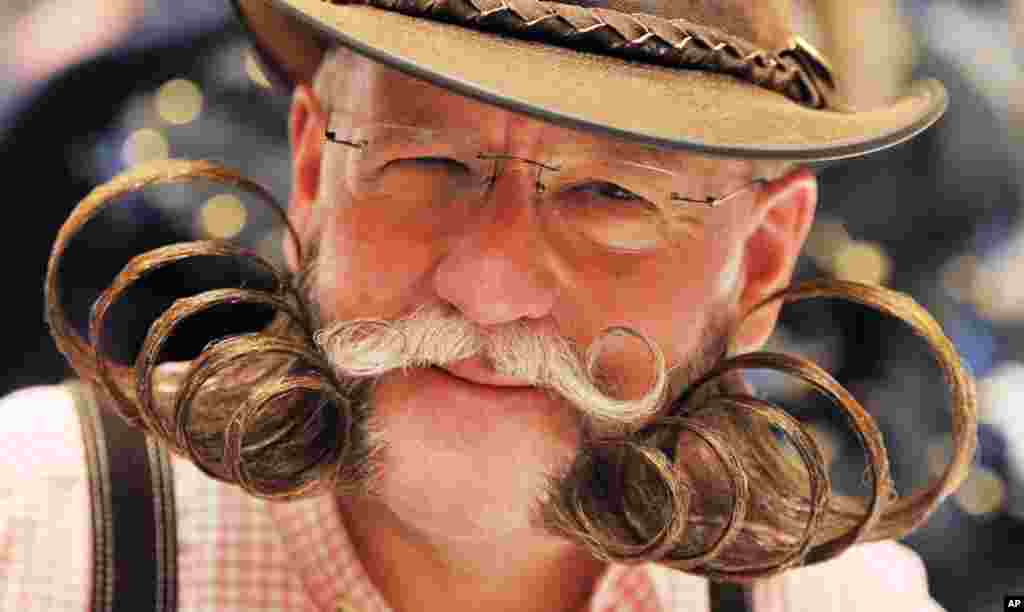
<point>454,411</point>
<point>473,374</point>
<point>481,408</point>
<point>469,400</point>
<point>494,390</point>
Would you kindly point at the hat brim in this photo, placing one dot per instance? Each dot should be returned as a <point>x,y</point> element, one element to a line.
<point>709,113</point>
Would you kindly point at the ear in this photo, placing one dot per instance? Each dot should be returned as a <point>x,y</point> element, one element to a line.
<point>781,219</point>
<point>306,126</point>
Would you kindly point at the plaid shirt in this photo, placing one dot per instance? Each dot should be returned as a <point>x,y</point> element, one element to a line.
<point>236,552</point>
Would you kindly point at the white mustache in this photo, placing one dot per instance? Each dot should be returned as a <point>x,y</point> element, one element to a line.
<point>437,336</point>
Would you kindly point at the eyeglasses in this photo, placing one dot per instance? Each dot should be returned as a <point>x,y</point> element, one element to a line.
<point>430,182</point>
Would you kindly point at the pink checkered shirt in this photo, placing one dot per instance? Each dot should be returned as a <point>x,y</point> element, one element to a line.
<point>236,552</point>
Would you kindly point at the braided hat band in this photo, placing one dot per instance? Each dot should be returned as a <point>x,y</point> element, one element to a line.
<point>799,71</point>
<point>725,78</point>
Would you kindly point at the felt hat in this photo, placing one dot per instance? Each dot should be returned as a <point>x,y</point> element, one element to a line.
<point>718,77</point>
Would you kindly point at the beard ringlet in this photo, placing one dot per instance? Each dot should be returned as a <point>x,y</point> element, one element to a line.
<point>262,399</point>
<point>164,326</point>
<point>861,422</point>
<point>629,498</point>
<point>739,483</point>
<point>819,481</point>
<point>587,498</point>
<point>212,456</point>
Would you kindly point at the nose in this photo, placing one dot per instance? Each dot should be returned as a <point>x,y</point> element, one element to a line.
<point>497,270</point>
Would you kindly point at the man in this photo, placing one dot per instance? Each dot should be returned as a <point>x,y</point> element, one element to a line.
<point>501,374</point>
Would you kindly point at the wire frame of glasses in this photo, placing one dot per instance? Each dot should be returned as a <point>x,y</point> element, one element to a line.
<point>434,180</point>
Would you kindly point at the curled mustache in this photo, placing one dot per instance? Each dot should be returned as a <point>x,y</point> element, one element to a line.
<point>438,335</point>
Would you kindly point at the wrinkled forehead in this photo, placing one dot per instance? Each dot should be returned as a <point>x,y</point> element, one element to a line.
<point>360,87</point>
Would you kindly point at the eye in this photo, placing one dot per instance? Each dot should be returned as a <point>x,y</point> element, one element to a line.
<point>604,189</point>
<point>429,162</point>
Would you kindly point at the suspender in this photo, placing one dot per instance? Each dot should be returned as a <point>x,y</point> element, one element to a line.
<point>727,597</point>
<point>132,500</point>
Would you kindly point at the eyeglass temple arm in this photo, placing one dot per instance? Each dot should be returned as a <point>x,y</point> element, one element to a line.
<point>356,144</point>
<point>712,202</point>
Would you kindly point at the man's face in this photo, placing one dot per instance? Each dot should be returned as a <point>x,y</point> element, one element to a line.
<point>469,459</point>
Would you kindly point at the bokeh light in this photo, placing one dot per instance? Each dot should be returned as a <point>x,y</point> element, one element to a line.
<point>223,217</point>
<point>179,101</point>
<point>827,236</point>
<point>982,494</point>
<point>865,262</point>
<point>145,145</point>
<point>998,297</point>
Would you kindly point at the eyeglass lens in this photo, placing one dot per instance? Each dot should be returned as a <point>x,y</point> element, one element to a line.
<point>432,181</point>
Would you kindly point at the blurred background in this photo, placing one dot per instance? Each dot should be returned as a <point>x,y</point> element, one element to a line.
<point>92,87</point>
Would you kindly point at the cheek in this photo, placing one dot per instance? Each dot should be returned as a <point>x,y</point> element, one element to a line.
<point>340,280</point>
<point>364,269</point>
<point>673,302</point>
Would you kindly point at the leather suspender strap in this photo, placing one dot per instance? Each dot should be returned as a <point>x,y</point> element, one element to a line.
<point>132,501</point>
<point>726,597</point>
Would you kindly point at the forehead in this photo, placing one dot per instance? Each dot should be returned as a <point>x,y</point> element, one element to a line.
<point>376,92</point>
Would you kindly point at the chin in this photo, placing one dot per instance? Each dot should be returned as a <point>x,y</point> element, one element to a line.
<point>465,462</point>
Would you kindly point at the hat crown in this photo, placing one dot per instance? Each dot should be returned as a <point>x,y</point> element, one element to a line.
<point>765,23</point>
